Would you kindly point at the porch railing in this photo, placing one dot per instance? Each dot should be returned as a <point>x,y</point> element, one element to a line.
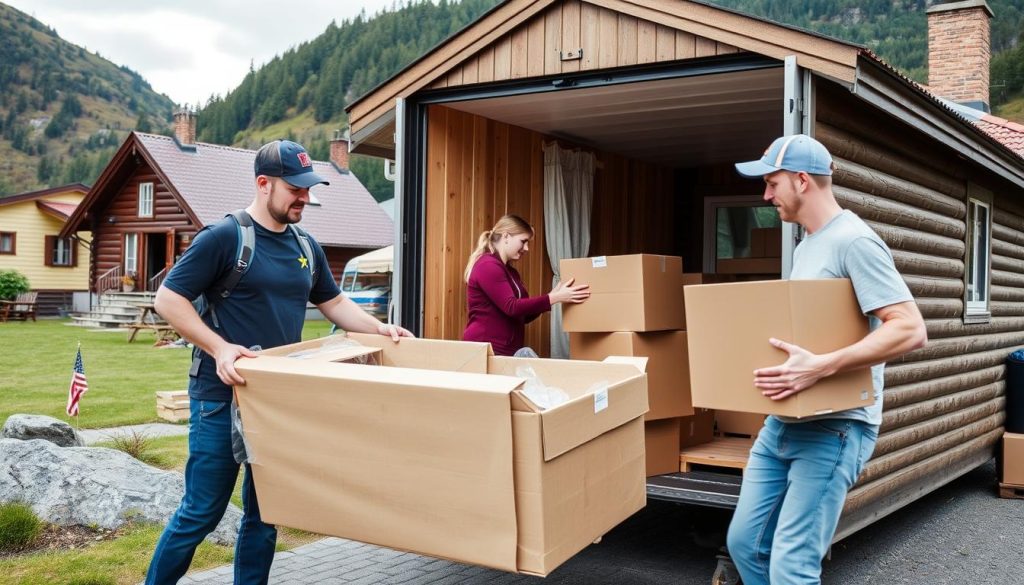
<point>154,283</point>
<point>109,280</point>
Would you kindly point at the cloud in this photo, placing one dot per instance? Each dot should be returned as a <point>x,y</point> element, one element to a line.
<point>190,49</point>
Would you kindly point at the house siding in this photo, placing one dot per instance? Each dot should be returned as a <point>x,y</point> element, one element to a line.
<point>943,403</point>
<point>31,226</point>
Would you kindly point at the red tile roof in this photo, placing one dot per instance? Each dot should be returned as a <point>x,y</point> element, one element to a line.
<point>214,180</point>
<point>1010,134</point>
<point>57,208</point>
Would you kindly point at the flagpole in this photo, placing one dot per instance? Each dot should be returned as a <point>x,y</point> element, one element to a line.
<point>78,406</point>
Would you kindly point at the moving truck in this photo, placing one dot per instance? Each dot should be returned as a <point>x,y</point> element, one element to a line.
<point>661,101</point>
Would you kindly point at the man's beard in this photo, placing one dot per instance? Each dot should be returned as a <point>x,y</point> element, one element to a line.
<point>282,217</point>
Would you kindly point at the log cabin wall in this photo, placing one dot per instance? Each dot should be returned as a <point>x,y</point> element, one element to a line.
<point>168,217</point>
<point>944,403</point>
<point>478,169</point>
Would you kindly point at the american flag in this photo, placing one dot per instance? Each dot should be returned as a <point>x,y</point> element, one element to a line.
<point>78,385</point>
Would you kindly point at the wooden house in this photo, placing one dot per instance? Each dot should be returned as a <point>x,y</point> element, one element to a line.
<point>667,95</point>
<point>56,266</point>
<point>157,192</point>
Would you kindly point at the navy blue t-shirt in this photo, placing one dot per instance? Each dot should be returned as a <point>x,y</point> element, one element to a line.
<point>266,308</point>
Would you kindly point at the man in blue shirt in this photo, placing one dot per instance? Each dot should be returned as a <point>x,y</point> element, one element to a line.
<point>800,470</point>
<point>266,308</point>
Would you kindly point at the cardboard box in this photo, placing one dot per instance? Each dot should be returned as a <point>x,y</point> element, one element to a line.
<point>668,374</point>
<point>661,439</point>
<point>697,428</point>
<point>729,326</point>
<point>438,450</point>
<point>1013,459</point>
<point>691,278</point>
<point>639,292</point>
<point>744,424</point>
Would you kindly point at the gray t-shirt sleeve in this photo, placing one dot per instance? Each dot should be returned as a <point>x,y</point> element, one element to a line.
<point>875,279</point>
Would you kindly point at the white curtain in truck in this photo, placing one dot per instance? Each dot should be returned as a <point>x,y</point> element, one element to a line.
<point>568,202</point>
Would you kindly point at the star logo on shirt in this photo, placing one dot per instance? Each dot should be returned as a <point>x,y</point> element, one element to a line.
<point>303,262</point>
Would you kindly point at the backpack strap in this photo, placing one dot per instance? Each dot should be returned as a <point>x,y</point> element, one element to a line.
<point>243,258</point>
<point>307,248</point>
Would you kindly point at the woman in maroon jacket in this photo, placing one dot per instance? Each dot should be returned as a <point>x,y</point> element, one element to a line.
<point>499,307</point>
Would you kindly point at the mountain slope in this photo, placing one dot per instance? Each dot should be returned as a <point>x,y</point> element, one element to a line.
<point>63,109</point>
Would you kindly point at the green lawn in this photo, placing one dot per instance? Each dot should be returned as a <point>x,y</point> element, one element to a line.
<point>35,370</point>
<point>36,359</point>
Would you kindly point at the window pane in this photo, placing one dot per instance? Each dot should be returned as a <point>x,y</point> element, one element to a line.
<point>130,250</point>
<point>734,225</point>
<point>7,243</point>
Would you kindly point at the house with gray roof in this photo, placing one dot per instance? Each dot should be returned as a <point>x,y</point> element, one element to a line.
<point>157,192</point>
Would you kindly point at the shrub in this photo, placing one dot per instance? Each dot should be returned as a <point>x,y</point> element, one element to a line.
<point>12,284</point>
<point>137,445</point>
<point>19,526</point>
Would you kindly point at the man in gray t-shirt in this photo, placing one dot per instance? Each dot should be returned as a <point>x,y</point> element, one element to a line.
<point>800,470</point>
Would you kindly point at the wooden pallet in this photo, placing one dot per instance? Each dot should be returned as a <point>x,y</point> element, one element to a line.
<point>1014,492</point>
<point>173,405</point>
<point>729,452</point>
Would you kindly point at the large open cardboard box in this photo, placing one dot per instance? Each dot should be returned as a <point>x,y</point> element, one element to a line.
<point>438,450</point>
<point>637,292</point>
<point>729,326</point>
<point>668,377</point>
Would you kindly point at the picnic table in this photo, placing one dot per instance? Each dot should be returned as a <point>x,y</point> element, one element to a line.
<point>149,320</point>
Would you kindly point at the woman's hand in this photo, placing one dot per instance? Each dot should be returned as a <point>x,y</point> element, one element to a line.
<point>565,292</point>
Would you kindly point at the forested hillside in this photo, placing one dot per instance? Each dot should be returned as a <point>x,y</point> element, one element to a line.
<point>63,110</point>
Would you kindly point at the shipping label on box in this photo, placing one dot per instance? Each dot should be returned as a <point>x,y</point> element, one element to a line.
<point>638,292</point>
<point>429,461</point>
<point>668,375</point>
<point>729,326</point>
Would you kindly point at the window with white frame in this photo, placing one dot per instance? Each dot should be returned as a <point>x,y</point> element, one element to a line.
<point>979,245</point>
<point>145,199</point>
<point>131,253</point>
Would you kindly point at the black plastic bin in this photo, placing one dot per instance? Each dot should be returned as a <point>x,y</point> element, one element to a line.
<point>1015,392</point>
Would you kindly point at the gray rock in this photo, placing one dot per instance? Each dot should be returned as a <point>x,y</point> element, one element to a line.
<point>94,486</point>
<point>37,426</point>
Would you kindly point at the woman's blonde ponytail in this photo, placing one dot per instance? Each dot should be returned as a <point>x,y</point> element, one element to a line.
<point>509,224</point>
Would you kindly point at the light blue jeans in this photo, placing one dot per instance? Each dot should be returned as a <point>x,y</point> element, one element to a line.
<point>210,475</point>
<point>793,491</point>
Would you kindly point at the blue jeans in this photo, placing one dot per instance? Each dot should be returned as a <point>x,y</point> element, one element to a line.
<point>793,491</point>
<point>210,476</point>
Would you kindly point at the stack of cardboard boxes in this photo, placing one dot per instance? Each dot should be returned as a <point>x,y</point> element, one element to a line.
<point>635,309</point>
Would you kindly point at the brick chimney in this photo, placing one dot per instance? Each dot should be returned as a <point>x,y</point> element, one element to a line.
<point>185,127</point>
<point>339,150</point>
<point>959,52</point>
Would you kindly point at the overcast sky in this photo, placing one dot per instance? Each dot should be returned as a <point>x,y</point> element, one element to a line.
<point>189,49</point>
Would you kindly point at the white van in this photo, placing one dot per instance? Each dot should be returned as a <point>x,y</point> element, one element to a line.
<point>367,281</point>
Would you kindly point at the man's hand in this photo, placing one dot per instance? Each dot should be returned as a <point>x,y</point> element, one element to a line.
<point>226,356</point>
<point>394,331</point>
<point>802,370</point>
